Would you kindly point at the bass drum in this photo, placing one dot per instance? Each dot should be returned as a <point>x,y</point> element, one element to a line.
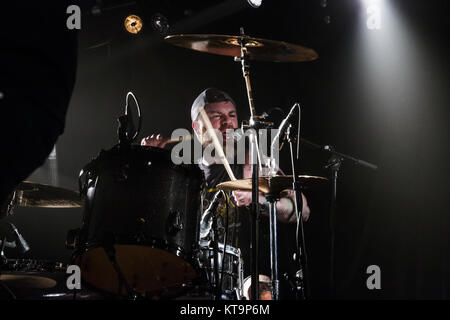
<point>140,224</point>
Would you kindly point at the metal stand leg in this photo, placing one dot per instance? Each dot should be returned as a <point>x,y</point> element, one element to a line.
<point>274,250</point>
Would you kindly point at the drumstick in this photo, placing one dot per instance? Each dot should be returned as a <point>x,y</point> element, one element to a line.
<point>179,139</point>
<point>216,142</point>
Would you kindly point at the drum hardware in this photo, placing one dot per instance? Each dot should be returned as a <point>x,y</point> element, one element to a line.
<point>121,280</point>
<point>294,284</point>
<point>272,186</point>
<point>215,242</point>
<point>73,238</point>
<point>7,207</point>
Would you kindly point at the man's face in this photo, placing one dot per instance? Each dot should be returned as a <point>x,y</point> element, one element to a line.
<point>223,117</point>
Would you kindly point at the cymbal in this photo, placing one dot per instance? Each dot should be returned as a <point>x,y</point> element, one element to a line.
<point>272,184</point>
<point>27,281</point>
<point>30,194</point>
<point>257,49</point>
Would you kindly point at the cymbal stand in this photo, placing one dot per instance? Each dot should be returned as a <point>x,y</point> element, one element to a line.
<point>215,245</point>
<point>272,198</point>
<point>4,261</point>
<point>255,124</point>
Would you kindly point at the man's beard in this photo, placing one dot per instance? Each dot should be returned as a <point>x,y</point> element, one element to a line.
<point>226,137</point>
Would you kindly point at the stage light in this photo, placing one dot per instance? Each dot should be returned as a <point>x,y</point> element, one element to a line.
<point>373,12</point>
<point>133,24</point>
<point>160,23</point>
<point>255,3</point>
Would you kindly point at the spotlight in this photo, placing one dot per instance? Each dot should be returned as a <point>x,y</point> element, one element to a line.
<point>373,12</point>
<point>133,24</point>
<point>160,23</point>
<point>255,3</point>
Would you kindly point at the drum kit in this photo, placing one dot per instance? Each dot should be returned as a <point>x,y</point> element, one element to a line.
<point>139,237</point>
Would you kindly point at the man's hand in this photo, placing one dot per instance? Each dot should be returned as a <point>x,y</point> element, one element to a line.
<point>155,140</point>
<point>244,198</point>
<point>285,205</point>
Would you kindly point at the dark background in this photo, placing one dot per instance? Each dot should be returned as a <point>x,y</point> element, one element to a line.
<point>379,95</point>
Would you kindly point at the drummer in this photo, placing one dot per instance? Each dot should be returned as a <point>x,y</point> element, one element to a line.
<point>221,111</point>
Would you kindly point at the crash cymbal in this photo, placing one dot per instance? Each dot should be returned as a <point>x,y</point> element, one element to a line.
<point>30,194</point>
<point>27,281</point>
<point>272,184</point>
<point>257,49</point>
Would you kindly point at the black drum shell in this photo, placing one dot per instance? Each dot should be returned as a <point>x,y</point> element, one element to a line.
<point>138,199</point>
<point>140,196</point>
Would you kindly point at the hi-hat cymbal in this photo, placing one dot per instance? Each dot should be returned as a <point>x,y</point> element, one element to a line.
<point>30,194</point>
<point>272,184</point>
<point>257,49</point>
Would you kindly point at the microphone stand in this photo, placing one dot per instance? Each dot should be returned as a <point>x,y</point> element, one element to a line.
<point>301,256</point>
<point>334,164</point>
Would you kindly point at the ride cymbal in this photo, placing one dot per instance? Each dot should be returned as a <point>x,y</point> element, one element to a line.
<point>256,48</point>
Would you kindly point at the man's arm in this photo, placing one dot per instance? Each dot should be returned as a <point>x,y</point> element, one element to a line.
<point>285,206</point>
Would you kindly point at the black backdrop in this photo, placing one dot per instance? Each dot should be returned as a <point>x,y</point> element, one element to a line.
<point>396,218</point>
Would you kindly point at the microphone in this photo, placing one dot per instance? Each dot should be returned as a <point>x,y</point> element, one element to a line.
<point>206,220</point>
<point>284,124</point>
<point>22,243</point>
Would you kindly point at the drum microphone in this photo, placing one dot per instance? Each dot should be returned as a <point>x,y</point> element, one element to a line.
<point>284,124</point>
<point>206,220</point>
<point>22,243</point>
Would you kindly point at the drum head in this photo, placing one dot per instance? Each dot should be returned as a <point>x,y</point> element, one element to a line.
<point>146,270</point>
